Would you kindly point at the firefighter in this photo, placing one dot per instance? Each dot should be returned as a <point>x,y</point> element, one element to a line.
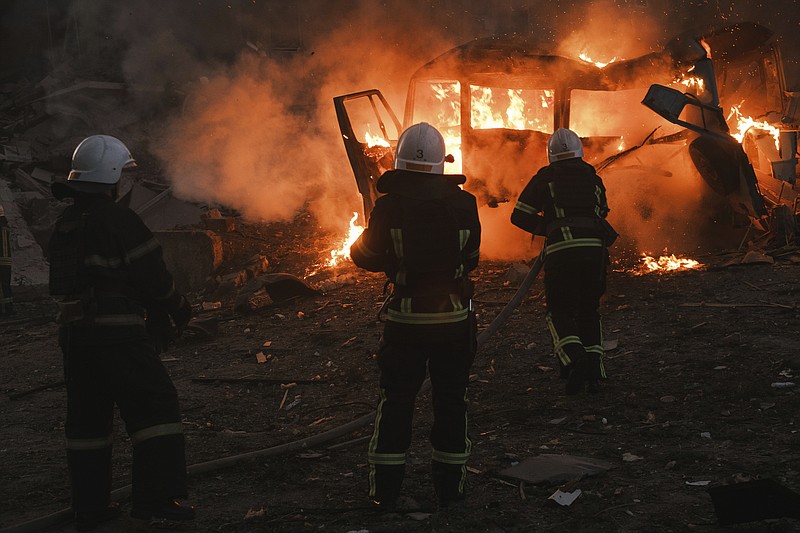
<point>108,272</point>
<point>424,233</point>
<point>6,301</point>
<point>566,202</point>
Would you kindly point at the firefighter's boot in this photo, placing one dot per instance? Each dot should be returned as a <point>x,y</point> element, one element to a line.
<point>164,510</point>
<point>90,474</point>
<point>385,482</point>
<point>563,370</point>
<point>159,478</point>
<point>594,374</point>
<point>579,374</point>
<point>448,482</point>
<point>89,521</point>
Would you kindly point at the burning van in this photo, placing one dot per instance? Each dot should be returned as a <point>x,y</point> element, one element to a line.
<point>496,102</point>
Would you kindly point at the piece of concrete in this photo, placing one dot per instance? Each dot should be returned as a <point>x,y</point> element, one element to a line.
<point>282,287</point>
<point>516,273</point>
<point>191,256</point>
<point>161,210</point>
<point>220,225</point>
<point>551,468</point>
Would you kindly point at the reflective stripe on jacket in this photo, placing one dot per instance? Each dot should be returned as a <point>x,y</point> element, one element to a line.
<point>566,202</point>
<point>425,235</point>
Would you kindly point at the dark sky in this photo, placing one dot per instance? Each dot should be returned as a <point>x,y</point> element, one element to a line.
<point>38,36</point>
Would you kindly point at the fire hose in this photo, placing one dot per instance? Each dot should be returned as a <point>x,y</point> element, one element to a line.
<point>65,515</point>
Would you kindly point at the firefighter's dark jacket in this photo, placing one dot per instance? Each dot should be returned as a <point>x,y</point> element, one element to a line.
<point>108,268</point>
<point>424,233</point>
<point>566,202</point>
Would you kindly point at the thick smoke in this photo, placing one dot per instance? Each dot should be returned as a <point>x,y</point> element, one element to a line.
<point>257,131</point>
<point>654,193</point>
<point>261,136</point>
<point>658,200</point>
<point>238,145</point>
<point>607,30</point>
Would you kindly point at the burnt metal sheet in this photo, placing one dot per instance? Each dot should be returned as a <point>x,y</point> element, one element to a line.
<point>510,62</point>
<point>731,42</point>
<point>552,468</point>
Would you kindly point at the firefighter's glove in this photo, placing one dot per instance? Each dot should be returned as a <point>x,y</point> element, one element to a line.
<point>182,314</point>
<point>160,327</point>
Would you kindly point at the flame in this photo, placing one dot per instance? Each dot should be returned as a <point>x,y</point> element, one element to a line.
<point>450,118</point>
<point>482,114</point>
<point>599,64</point>
<point>505,108</point>
<point>707,48</point>
<point>745,123</point>
<point>343,252</point>
<point>667,263</point>
<point>490,108</point>
<point>375,140</point>
<point>515,113</point>
<point>693,82</point>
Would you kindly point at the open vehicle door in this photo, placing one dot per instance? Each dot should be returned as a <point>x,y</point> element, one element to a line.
<point>718,157</point>
<point>370,130</point>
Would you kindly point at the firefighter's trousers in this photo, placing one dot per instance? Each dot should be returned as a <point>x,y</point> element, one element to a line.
<point>574,283</point>
<point>403,366</point>
<point>131,376</point>
<point>6,300</point>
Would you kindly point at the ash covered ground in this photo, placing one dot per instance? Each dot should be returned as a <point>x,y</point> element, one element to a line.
<point>690,399</point>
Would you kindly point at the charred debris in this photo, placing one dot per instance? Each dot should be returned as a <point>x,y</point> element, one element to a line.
<point>40,123</point>
<point>716,98</point>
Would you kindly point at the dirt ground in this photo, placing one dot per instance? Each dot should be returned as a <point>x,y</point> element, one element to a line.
<point>690,398</point>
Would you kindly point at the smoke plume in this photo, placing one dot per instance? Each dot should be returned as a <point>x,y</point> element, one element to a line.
<point>257,131</point>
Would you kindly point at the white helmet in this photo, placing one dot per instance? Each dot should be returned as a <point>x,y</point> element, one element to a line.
<point>564,144</point>
<point>99,159</point>
<point>420,149</point>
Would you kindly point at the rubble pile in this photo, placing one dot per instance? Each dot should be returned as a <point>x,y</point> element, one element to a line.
<point>214,255</point>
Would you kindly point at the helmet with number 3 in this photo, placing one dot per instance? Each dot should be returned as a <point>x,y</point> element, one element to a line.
<point>420,149</point>
<point>564,144</point>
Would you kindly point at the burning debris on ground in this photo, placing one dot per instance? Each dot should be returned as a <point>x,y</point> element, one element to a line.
<point>242,176</point>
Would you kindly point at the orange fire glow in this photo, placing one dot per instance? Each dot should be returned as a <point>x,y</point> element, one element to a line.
<point>506,108</point>
<point>450,118</point>
<point>599,64</point>
<point>343,252</point>
<point>376,140</point>
<point>490,108</point>
<point>693,82</point>
<point>667,263</point>
<point>742,124</point>
<point>707,47</point>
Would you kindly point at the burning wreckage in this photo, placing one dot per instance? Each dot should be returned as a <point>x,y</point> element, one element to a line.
<point>496,101</point>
